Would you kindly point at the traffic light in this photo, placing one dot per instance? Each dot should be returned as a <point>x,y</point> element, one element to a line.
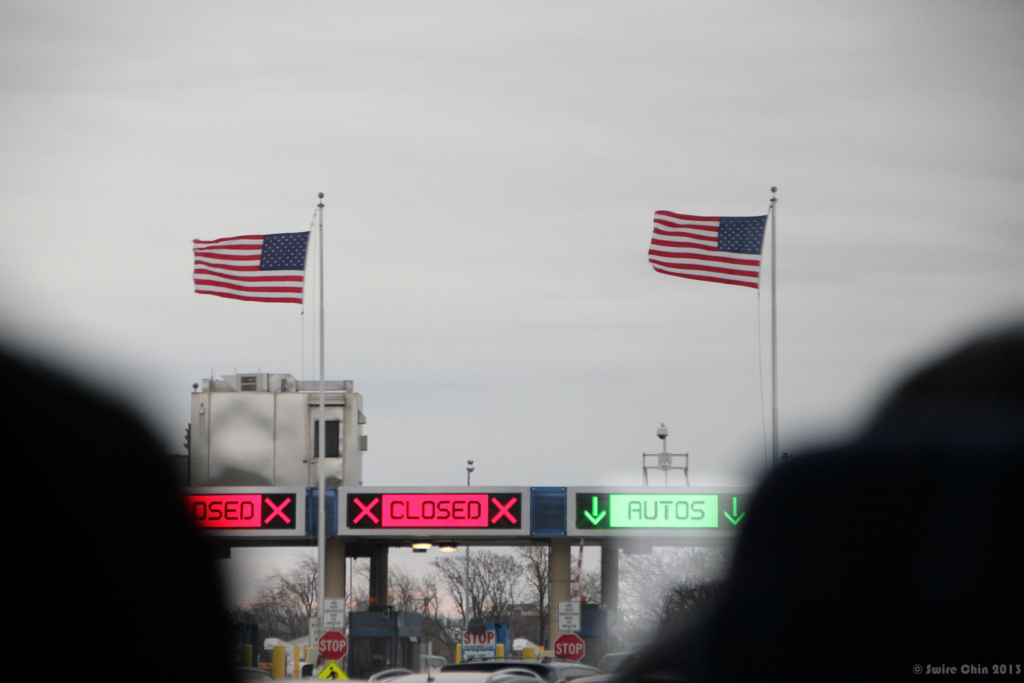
<point>188,439</point>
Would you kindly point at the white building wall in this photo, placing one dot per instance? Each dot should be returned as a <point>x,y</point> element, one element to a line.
<point>265,437</point>
<point>241,439</point>
<point>292,447</point>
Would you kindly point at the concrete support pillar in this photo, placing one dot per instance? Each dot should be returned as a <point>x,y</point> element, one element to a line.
<point>609,576</point>
<point>379,576</point>
<point>560,586</point>
<point>334,578</point>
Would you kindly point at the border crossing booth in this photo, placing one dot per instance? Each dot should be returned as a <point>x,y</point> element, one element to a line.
<point>594,632</point>
<point>242,635</point>
<point>482,638</point>
<point>381,640</point>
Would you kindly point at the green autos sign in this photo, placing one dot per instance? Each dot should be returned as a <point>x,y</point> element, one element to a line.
<point>672,511</point>
<point>610,511</point>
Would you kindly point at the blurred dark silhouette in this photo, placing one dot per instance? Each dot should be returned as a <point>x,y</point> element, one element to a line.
<point>898,550</point>
<point>689,601</point>
<point>114,581</point>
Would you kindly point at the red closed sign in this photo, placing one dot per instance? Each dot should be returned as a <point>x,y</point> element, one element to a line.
<point>570,646</point>
<point>333,645</point>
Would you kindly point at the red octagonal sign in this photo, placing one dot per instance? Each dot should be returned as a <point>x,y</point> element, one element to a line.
<point>570,646</point>
<point>333,645</point>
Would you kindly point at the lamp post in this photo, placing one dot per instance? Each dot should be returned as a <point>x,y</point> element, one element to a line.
<point>665,459</point>
<point>465,626</point>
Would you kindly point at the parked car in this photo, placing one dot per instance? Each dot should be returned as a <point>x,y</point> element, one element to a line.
<point>599,678</point>
<point>611,664</point>
<point>614,662</point>
<point>508,675</point>
<point>432,662</point>
<point>389,673</point>
<point>248,673</point>
<point>549,670</point>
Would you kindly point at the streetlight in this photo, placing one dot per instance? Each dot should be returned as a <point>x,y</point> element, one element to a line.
<point>465,626</point>
<point>665,459</point>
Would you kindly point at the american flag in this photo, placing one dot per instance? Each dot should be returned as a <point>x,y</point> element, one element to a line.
<point>723,249</point>
<point>252,267</point>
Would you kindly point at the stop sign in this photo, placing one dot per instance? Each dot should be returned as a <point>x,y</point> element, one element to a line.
<point>569,646</point>
<point>333,645</point>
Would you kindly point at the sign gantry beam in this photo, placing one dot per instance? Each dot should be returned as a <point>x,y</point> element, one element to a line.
<point>476,515</point>
<point>435,511</point>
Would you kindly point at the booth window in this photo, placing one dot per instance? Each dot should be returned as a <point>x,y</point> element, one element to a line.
<point>333,437</point>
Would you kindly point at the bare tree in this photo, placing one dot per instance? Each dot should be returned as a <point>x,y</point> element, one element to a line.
<point>495,584</point>
<point>690,600</point>
<point>439,628</point>
<point>536,563</point>
<point>501,584</point>
<point>452,575</point>
<point>300,584</point>
<point>647,582</point>
<point>589,587</point>
<point>407,593</point>
<point>357,594</point>
<point>423,596</point>
<point>285,601</point>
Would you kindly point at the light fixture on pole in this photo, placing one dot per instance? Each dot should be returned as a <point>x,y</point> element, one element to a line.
<point>469,473</point>
<point>321,468</point>
<point>666,459</point>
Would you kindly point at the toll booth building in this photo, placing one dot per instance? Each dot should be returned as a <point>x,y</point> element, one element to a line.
<point>263,430</point>
<point>384,639</point>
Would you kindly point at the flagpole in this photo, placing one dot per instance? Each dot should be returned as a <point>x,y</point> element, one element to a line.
<point>775,355</point>
<point>321,470</point>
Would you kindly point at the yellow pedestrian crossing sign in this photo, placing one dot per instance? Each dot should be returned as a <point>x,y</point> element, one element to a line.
<point>332,672</point>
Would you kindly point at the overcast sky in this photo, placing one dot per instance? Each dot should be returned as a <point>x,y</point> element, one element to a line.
<point>491,170</point>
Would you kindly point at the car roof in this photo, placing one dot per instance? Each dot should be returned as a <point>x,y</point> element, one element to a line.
<point>617,661</point>
<point>596,678</point>
<point>495,664</point>
<point>465,676</point>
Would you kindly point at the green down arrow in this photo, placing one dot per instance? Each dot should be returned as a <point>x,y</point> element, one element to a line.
<point>734,518</point>
<point>594,518</point>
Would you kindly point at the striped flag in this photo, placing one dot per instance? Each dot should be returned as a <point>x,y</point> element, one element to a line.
<point>723,249</point>
<point>252,267</point>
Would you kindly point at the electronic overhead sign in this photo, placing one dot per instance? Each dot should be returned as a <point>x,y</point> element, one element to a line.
<point>657,511</point>
<point>247,511</point>
<point>408,511</point>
